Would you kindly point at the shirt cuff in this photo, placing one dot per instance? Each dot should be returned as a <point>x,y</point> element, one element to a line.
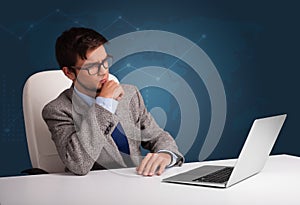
<point>174,157</point>
<point>107,103</point>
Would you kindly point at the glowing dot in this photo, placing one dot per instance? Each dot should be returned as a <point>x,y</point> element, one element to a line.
<point>31,26</point>
<point>203,36</point>
<point>20,38</point>
<point>137,29</point>
<point>57,10</point>
<point>157,78</point>
<point>120,17</point>
<point>128,65</point>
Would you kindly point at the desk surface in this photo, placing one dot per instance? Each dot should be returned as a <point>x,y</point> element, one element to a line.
<point>278,183</point>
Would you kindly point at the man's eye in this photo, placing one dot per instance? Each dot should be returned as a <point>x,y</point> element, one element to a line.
<point>90,66</point>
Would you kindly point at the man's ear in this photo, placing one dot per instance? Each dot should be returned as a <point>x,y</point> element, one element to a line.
<point>71,75</point>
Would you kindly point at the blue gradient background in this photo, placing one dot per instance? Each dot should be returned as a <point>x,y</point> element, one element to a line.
<point>254,45</point>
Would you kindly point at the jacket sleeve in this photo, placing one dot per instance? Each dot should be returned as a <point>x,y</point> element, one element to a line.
<point>79,139</point>
<point>153,137</point>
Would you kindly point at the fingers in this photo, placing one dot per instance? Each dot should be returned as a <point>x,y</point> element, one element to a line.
<point>143,164</point>
<point>111,89</point>
<point>118,93</point>
<point>151,165</point>
<point>154,163</point>
<point>162,168</point>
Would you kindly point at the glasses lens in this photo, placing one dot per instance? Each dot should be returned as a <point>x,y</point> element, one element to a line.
<point>107,62</point>
<point>93,70</point>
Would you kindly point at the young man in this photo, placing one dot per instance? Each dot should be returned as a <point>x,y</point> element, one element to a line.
<point>98,123</point>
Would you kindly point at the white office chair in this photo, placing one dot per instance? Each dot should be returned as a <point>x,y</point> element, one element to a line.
<point>39,89</point>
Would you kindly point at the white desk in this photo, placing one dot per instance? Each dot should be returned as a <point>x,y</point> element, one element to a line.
<point>278,183</point>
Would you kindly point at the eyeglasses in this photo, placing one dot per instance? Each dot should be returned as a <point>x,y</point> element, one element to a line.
<point>94,68</point>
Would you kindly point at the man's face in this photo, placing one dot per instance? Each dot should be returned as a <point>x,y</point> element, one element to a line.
<point>91,84</point>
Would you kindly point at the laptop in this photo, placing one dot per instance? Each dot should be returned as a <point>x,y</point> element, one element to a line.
<point>252,158</point>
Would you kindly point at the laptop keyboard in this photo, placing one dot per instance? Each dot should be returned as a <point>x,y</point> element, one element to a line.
<point>219,176</point>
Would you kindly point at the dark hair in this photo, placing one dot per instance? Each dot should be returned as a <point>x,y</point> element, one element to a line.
<point>76,42</point>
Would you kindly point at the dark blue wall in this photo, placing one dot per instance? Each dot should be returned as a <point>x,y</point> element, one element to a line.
<point>254,46</point>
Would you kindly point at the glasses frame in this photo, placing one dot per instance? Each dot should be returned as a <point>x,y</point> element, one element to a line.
<point>99,65</point>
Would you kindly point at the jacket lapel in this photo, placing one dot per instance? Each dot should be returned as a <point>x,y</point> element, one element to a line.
<point>81,108</point>
<point>132,133</point>
<point>122,115</point>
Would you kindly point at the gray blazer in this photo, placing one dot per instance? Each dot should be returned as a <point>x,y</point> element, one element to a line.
<point>82,134</point>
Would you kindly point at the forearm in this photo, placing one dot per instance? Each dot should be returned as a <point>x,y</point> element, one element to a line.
<point>163,143</point>
<point>153,137</point>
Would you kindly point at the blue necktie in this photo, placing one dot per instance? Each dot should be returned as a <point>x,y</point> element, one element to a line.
<point>120,139</point>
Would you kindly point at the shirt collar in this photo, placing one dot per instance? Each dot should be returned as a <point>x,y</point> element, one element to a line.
<point>89,100</point>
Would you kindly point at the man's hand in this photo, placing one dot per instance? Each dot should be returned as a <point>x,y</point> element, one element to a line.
<point>111,89</point>
<point>154,163</point>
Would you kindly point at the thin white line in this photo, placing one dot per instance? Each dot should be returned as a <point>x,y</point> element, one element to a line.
<point>137,69</point>
<point>129,23</point>
<point>188,50</point>
<point>105,28</point>
<point>8,31</point>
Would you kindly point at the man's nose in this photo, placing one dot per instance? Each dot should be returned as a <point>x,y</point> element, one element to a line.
<point>101,73</point>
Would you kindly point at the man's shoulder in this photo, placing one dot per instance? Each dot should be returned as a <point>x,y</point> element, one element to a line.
<point>132,96</point>
<point>62,100</point>
<point>129,88</point>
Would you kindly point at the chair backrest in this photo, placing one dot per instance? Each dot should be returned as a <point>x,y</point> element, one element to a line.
<point>40,89</point>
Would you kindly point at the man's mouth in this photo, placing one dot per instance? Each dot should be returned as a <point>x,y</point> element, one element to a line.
<point>103,81</point>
